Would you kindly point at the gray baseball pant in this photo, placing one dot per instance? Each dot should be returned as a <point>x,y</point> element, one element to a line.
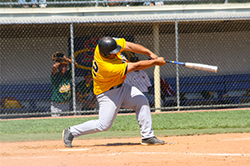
<point>127,96</point>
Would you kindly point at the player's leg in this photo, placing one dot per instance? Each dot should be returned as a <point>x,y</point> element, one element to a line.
<point>137,101</point>
<point>151,99</point>
<point>109,104</point>
<point>107,114</point>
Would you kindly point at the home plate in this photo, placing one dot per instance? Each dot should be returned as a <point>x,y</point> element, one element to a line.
<point>72,150</point>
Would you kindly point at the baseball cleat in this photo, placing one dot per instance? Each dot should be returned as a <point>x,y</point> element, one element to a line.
<point>152,141</point>
<point>67,137</point>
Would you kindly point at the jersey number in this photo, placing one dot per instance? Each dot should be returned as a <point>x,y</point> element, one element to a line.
<point>95,68</point>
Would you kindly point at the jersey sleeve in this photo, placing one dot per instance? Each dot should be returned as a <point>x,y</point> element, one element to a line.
<point>121,42</point>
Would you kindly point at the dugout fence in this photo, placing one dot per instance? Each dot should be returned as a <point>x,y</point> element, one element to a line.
<point>27,47</point>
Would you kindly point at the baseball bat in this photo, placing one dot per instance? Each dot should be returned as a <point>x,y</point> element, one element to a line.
<point>198,66</point>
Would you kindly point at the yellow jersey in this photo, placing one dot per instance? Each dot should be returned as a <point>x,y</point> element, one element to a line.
<point>109,72</point>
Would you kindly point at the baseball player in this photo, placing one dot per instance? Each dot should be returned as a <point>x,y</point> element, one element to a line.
<point>60,82</point>
<point>109,72</point>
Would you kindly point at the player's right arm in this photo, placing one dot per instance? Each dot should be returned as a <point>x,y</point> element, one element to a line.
<point>144,64</point>
<point>69,61</point>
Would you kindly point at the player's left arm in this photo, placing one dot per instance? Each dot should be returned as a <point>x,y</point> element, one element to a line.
<point>137,48</point>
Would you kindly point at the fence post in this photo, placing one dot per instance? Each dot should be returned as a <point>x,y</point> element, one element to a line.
<point>73,66</point>
<point>157,84</point>
<point>96,3</point>
<point>177,66</point>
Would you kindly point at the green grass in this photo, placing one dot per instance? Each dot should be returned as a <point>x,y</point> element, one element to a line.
<point>186,123</point>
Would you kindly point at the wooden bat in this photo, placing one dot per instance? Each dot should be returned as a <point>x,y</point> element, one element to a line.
<point>198,66</point>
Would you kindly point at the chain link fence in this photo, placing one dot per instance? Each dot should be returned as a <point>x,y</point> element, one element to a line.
<point>26,65</point>
<point>106,3</point>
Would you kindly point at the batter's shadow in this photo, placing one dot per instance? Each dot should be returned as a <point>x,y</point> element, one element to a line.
<point>108,144</point>
<point>119,144</point>
<point>131,144</point>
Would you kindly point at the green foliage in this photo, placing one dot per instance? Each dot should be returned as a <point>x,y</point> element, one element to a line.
<point>184,123</point>
<point>202,120</point>
<point>39,125</point>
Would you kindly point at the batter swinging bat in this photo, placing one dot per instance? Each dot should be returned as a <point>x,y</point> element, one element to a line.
<point>198,66</point>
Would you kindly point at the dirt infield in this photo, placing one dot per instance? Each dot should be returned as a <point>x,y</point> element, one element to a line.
<point>219,149</point>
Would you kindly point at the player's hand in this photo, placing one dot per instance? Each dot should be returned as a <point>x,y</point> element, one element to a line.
<point>153,56</point>
<point>160,61</point>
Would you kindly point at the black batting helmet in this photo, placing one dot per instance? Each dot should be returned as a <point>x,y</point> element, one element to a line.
<point>107,46</point>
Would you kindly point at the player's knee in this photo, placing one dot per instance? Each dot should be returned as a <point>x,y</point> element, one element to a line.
<point>142,102</point>
<point>105,126</point>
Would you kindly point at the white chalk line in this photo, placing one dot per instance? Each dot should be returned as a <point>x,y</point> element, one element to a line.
<point>236,139</point>
<point>141,153</point>
<point>72,150</point>
<point>174,153</point>
<point>21,158</point>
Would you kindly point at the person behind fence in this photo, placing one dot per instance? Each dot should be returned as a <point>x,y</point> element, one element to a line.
<point>60,83</point>
<point>109,72</point>
<point>148,4</point>
<point>167,92</point>
<point>207,94</point>
<point>42,3</point>
<point>26,6</point>
<point>157,3</point>
<point>140,79</point>
<point>10,102</point>
<point>85,98</point>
